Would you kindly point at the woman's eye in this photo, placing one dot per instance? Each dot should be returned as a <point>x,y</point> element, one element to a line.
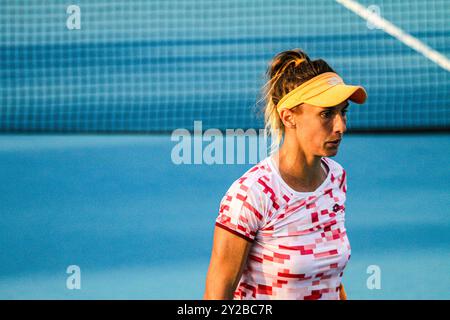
<point>329,114</point>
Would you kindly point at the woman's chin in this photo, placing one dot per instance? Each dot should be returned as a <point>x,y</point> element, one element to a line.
<point>330,152</point>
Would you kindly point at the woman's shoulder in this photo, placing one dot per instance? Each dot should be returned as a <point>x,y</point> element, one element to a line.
<point>255,179</point>
<point>337,174</point>
<point>261,170</point>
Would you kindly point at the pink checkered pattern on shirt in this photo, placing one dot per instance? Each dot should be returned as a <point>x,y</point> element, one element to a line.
<point>299,242</point>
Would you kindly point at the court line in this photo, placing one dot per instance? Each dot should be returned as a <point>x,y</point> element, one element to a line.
<point>397,33</point>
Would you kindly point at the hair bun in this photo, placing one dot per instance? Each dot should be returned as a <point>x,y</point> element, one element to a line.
<point>283,59</point>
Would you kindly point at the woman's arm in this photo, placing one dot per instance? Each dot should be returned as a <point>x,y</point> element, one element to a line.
<point>228,257</point>
<point>342,293</point>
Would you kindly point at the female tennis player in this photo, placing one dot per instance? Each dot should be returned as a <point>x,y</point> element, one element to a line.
<point>280,231</point>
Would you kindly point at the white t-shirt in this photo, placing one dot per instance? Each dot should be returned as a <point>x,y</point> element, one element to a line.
<point>299,242</point>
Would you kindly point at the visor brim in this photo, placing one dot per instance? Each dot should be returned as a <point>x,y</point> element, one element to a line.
<point>338,94</point>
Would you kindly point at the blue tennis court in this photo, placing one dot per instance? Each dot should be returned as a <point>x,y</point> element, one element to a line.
<point>140,227</point>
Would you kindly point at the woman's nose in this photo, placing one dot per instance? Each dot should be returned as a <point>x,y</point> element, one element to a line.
<point>340,123</point>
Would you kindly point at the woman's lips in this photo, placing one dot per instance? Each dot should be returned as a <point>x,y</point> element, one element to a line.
<point>335,142</point>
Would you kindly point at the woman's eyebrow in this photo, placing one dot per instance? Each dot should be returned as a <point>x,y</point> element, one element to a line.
<point>334,108</point>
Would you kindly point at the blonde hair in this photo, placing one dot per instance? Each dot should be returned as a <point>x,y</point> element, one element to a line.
<point>285,72</point>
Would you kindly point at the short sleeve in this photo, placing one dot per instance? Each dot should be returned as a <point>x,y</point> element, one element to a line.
<point>242,210</point>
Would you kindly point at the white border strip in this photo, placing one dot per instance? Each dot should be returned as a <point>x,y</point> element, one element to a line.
<point>397,33</point>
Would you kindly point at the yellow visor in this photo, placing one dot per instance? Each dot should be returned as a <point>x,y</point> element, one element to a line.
<point>325,90</point>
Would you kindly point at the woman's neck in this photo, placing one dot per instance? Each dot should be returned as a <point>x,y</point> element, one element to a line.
<point>302,172</point>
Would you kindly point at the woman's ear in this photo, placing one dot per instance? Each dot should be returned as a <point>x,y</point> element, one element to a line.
<point>288,118</point>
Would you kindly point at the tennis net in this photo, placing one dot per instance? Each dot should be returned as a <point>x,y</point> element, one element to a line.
<point>154,66</point>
